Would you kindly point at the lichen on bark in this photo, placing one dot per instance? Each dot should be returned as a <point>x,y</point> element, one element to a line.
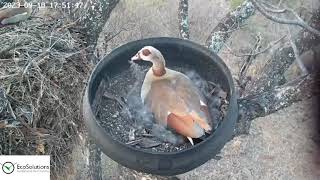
<point>93,16</point>
<point>183,19</point>
<point>233,20</point>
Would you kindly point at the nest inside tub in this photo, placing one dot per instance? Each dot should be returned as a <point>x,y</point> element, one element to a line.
<point>119,110</point>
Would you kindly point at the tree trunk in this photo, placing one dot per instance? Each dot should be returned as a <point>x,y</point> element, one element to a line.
<point>92,15</point>
<point>183,19</point>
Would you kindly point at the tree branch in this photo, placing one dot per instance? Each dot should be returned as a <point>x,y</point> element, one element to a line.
<point>255,53</point>
<point>243,79</point>
<point>183,19</point>
<point>272,74</point>
<point>268,93</point>
<point>271,8</point>
<point>299,22</point>
<point>233,20</point>
<point>268,102</point>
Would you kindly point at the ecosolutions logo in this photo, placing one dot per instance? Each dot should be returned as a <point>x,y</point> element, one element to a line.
<point>8,167</point>
<point>25,167</point>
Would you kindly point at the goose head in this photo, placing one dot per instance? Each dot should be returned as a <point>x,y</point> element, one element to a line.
<point>153,55</point>
<point>148,53</point>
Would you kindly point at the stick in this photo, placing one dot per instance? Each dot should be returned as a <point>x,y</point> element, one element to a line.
<point>134,142</point>
<point>272,8</point>
<point>296,54</point>
<point>111,96</point>
<point>270,45</point>
<point>246,64</point>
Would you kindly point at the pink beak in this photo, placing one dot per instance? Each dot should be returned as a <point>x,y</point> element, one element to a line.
<point>136,57</point>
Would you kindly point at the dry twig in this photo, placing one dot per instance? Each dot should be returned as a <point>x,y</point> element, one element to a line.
<point>246,64</point>
<point>269,46</point>
<point>43,74</point>
<point>111,96</point>
<point>299,21</point>
<point>270,8</point>
<point>296,54</point>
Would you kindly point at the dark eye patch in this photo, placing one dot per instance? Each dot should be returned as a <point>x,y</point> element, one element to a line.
<point>146,52</point>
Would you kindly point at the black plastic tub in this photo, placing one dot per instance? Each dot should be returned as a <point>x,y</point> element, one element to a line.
<point>175,51</point>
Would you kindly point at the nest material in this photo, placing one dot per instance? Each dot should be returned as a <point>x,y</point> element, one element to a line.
<point>43,69</point>
<point>120,111</point>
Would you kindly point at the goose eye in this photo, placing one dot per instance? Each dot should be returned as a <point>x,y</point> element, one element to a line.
<point>146,52</point>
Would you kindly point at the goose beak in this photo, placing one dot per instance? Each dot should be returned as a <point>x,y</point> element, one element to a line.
<point>136,57</point>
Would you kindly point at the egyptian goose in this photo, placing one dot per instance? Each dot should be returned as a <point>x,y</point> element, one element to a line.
<point>15,14</point>
<point>172,97</point>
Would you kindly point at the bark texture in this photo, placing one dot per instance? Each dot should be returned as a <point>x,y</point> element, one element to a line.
<point>233,20</point>
<point>183,19</point>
